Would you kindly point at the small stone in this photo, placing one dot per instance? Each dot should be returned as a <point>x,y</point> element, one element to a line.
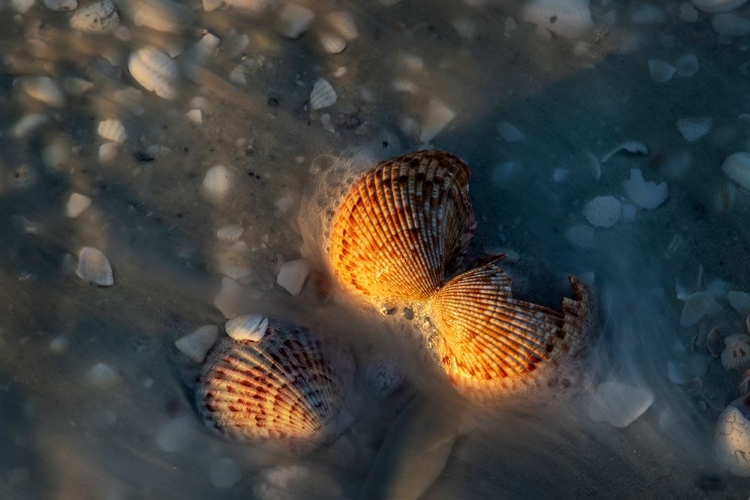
<point>77,204</point>
<point>603,211</point>
<point>93,266</point>
<point>737,168</point>
<point>292,276</point>
<point>619,404</point>
<point>44,89</point>
<point>295,20</point>
<point>217,182</point>
<point>108,152</point>
<point>687,65</point>
<point>194,116</point>
<point>195,345</point>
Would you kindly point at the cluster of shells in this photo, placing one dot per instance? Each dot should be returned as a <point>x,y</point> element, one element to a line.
<point>399,231</point>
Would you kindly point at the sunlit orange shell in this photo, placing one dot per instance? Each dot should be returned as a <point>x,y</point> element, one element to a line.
<point>401,225</point>
<point>495,344</point>
<point>288,387</point>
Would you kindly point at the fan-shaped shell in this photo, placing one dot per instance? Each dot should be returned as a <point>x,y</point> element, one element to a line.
<point>494,344</point>
<point>401,225</point>
<point>289,387</point>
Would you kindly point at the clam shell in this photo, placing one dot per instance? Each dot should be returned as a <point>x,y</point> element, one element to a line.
<point>332,44</point>
<point>154,71</point>
<point>343,23</point>
<point>736,355</point>
<point>112,130</point>
<point>494,344</point>
<point>290,388</point>
<point>401,225</point>
<point>322,95</point>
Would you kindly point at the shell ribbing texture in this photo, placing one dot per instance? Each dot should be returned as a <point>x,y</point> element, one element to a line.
<point>401,225</point>
<point>288,387</point>
<point>495,344</point>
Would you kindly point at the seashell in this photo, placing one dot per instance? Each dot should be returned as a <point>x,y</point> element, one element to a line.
<point>696,307</point>
<point>740,301</point>
<point>112,130</point>
<point>160,15</point>
<point>44,89</point>
<point>94,266</point>
<point>322,95</point>
<point>196,344</point>
<point>718,5</point>
<point>98,16</point>
<point>77,204</point>
<point>332,44</point>
<point>645,194</point>
<point>28,124</point>
<point>294,20</point>
<point>737,168</point>
<point>732,438</point>
<point>155,71</point>
<point>247,327</point>
<point>736,353</point>
<point>108,152</point>
<point>437,117</point>
<point>730,25</point>
<point>22,176</point>
<point>230,234</point>
<point>603,211</point>
<point>402,224</point>
<point>217,182</point>
<point>343,23</point>
<point>619,404</point>
<point>494,344</point>
<point>290,388</point>
<point>251,6</point>
<point>633,147</point>
<point>693,129</point>
<point>292,276</point>
<point>568,18</point>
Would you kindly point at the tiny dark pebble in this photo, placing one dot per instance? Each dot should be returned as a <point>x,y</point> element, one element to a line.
<point>273,102</point>
<point>142,157</point>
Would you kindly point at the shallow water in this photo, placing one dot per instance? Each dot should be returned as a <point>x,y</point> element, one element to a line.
<point>96,399</point>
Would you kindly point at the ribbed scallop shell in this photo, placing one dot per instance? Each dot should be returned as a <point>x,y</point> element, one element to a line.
<point>495,344</point>
<point>289,387</point>
<point>401,225</point>
<point>155,71</point>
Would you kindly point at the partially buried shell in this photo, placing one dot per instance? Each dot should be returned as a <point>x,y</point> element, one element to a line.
<point>494,344</point>
<point>289,388</point>
<point>401,226</point>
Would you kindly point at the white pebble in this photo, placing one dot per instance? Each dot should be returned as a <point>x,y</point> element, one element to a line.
<point>59,344</point>
<point>77,204</point>
<point>225,473</point>
<point>645,194</point>
<point>740,301</point>
<point>661,71</point>
<point>44,89</point>
<point>247,327</point>
<point>292,276</point>
<point>155,71</point>
<point>693,129</point>
<point>61,5</point>
<point>229,298</point>
<point>323,95</point>
<point>195,345</point>
<point>730,25</point>
<point>603,211</point>
<point>295,20</point>
<point>332,44</point>
<point>112,130</point>
<point>93,266</point>
<point>696,307</point>
<point>737,168</point>
<point>634,147</point>
<point>619,404</point>
<point>108,152</point>
<point>217,182</point>
<point>438,117</point>
<point>28,124</point>
<point>175,434</point>
<point>194,116</point>
<point>686,65</point>
<point>509,132</point>
<point>237,76</point>
<point>101,374</point>
<point>581,236</point>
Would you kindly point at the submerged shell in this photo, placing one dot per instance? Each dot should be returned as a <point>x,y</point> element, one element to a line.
<point>155,71</point>
<point>495,344</point>
<point>289,387</point>
<point>322,95</point>
<point>736,355</point>
<point>401,225</point>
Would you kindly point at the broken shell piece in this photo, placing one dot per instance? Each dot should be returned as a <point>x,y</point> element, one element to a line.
<point>633,147</point>
<point>737,168</point>
<point>292,276</point>
<point>332,44</point>
<point>736,355</point>
<point>693,129</point>
<point>732,438</point>
<point>77,204</point>
<point>696,307</point>
<point>603,211</point>
<point>322,95</point>
<point>295,20</point>
<point>230,234</point>
<point>161,15</point>
<point>112,130</point>
<point>619,404</point>
<point>740,301</point>
<point>28,123</point>
<point>251,327</point>
<point>718,5</point>
<point>155,71</point>
<point>438,117</point>
<point>93,266</point>
<point>195,345</point>
<point>343,23</point>
<point>44,89</point>
<point>645,194</point>
<point>98,16</point>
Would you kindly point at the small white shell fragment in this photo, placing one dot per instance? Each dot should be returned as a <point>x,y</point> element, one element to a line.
<point>688,13</point>
<point>633,147</point>
<point>322,95</point>
<point>568,18</point>
<point>237,76</point>
<point>217,182</point>
<point>230,234</point>
<point>581,236</point>
<point>98,16</point>
<point>112,130</point>
<point>101,375</point>
<point>730,25</point>
<point>173,435</point>
<point>194,116</point>
<point>295,20</point>
<point>693,129</point>
<point>686,65</point>
<point>645,194</point>
<point>44,89</point>
<point>718,5</point>
<point>732,439</point>
<point>234,261</point>
<point>247,327</point>
<point>225,473</point>
<point>61,5</point>
<point>229,298</point>
<point>619,404</point>
<point>696,307</point>
<point>509,132</point>
<point>77,204</point>
<point>647,14</point>
<point>740,301</point>
<point>332,44</point>
<point>343,23</point>
<point>155,71</point>
<point>59,344</point>
<point>76,86</point>
<point>438,117</point>
<point>736,354</point>
<point>292,276</point>
<point>660,71</point>
<point>687,368</point>
<point>737,168</point>
<point>28,123</point>
<point>108,152</point>
<point>603,211</point>
<point>195,345</point>
<point>93,266</point>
